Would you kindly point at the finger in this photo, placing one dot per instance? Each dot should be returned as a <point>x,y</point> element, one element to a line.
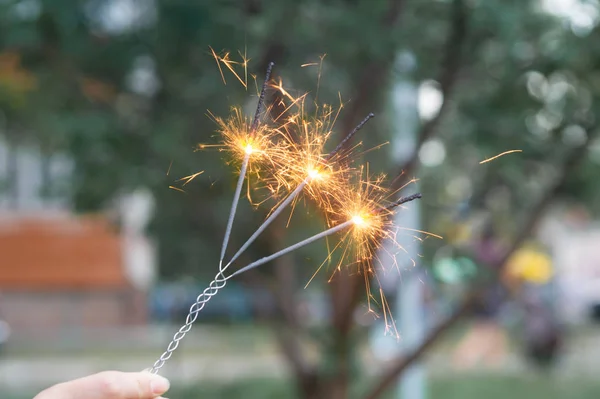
<point>110,385</point>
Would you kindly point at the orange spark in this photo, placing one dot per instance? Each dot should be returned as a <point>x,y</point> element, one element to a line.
<point>190,177</point>
<point>498,156</point>
<point>226,60</point>
<point>177,189</point>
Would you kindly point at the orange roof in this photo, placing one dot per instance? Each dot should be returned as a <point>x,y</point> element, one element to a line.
<point>49,253</point>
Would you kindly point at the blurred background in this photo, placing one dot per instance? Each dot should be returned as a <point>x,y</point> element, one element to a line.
<point>102,103</point>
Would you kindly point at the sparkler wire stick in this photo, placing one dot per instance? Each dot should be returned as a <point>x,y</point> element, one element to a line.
<point>220,280</point>
<point>210,291</point>
<point>294,247</point>
<point>240,183</point>
<point>348,137</point>
<point>402,200</point>
<point>277,211</point>
<point>333,230</point>
<point>268,221</point>
<point>261,98</point>
<point>234,204</point>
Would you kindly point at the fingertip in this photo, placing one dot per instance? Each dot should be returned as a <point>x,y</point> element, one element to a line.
<point>159,384</point>
<point>140,385</point>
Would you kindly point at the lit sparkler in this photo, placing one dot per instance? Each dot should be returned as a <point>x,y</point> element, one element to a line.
<point>312,173</point>
<point>244,140</point>
<point>248,150</point>
<point>292,156</point>
<point>359,221</point>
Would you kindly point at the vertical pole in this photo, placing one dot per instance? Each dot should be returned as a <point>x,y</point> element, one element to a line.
<point>407,288</point>
<point>411,315</point>
<point>409,299</point>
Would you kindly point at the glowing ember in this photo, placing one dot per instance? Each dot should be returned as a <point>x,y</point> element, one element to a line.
<point>358,221</point>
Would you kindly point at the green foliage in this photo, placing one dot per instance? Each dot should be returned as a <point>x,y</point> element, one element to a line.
<point>525,82</point>
<point>497,387</point>
<point>264,388</point>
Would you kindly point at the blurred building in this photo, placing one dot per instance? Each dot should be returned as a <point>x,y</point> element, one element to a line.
<point>573,237</point>
<point>60,272</point>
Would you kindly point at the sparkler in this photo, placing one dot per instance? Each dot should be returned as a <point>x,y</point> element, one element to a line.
<point>359,209</point>
<point>248,151</point>
<point>247,143</point>
<point>357,220</point>
<point>312,173</point>
<point>367,204</point>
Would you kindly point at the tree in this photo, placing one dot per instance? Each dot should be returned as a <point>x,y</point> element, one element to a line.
<point>127,98</point>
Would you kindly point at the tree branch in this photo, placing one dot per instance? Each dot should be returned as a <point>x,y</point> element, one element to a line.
<point>450,70</point>
<point>400,365</point>
<point>284,287</point>
<point>344,304</point>
<point>345,288</point>
<point>286,335</point>
<point>343,299</point>
<point>372,75</point>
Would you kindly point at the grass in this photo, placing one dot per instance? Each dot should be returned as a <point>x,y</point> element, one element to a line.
<point>202,340</point>
<point>459,386</point>
<point>527,386</point>
<point>249,340</point>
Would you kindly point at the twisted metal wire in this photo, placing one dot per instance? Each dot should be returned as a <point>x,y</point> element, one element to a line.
<point>220,280</point>
<point>213,288</point>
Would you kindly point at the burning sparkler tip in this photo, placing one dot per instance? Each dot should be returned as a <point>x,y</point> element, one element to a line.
<point>358,220</point>
<point>404,200</point>
<point>313,173</point>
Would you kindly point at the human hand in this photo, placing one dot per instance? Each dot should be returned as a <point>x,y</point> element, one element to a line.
<point>109,385</point>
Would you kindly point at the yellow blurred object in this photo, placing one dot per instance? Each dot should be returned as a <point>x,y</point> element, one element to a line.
<point>531,265</point>
<point>463,233</point>
<point>457,233</point>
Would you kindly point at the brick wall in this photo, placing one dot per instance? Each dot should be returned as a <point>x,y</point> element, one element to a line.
<point>59,252</point>
<point>64,272</point>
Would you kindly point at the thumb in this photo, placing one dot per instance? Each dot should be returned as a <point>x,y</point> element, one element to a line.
<point>110,385</point>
